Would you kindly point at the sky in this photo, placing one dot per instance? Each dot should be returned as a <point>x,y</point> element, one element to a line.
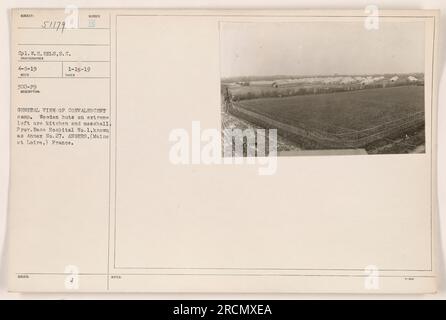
<point>320,48</point>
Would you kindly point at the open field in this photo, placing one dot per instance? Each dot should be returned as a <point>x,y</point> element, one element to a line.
<point>342,111</point>
<point>374,119</point>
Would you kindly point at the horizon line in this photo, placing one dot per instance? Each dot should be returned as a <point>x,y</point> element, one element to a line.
<point>321,75</point>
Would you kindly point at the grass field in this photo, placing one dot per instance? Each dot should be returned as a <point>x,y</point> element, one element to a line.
<point>382,120</point>
<point>342,111</point>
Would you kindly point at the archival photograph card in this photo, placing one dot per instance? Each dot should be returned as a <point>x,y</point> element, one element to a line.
<point>228,151</point>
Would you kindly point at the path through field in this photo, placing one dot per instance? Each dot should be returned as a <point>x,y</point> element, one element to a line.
<point>231,122</point>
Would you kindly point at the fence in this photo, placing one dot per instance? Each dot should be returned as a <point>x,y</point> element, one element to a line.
<point>312,137</point>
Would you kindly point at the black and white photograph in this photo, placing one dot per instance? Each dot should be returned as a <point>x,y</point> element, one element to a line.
<point>328,87</point>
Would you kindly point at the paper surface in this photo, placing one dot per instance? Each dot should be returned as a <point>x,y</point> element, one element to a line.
<point>116,184</point>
